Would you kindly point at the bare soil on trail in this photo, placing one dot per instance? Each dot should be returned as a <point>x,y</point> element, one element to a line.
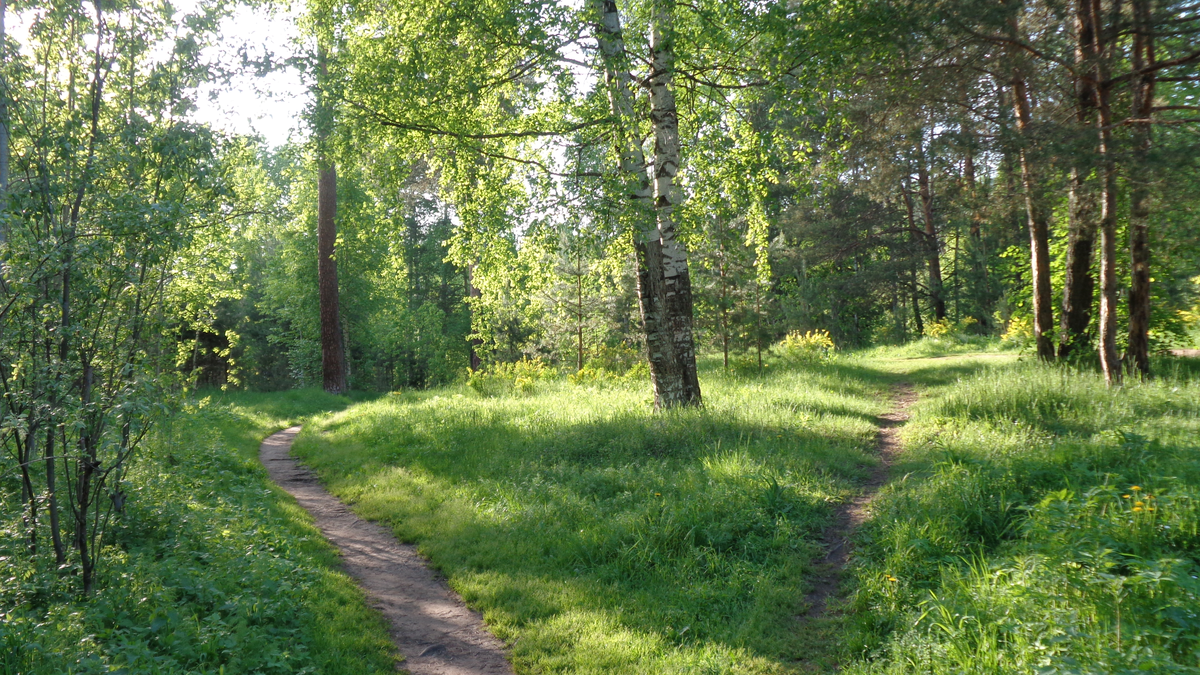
<point>850,515</point>
<point>432,628</point>
<point>1189,353</point>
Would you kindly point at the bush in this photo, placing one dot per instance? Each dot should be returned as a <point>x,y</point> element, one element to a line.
<point>616,360</point>
<point>797,347</point>
<point>502,379</point>
<point>1019,332</point>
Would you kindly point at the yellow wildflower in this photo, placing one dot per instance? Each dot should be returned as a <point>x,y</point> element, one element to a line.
<point>1137,509</point>
<point>1139,503</point>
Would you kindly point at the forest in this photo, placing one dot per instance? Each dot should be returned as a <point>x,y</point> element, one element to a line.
<point>677,336</point>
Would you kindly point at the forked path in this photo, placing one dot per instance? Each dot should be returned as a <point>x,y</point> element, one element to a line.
<point>850,515</point>
<point>430,625</point>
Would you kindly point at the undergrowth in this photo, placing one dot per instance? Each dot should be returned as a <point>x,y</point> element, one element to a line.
<point>210,569</point>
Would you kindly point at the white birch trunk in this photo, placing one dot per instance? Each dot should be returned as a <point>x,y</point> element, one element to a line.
<point>677,284</point>
<point>662,262</point>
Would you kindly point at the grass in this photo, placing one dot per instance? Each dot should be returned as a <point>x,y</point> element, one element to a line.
<point>1037,522</point>
<point>211,570</point>
<point>1041,523</point>
<point>597,537</point>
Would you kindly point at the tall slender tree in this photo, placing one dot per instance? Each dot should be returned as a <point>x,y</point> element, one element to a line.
<point>1036,209</point>
<point>333,351</point>
<point>664,284</point>
<point>1079,284</point>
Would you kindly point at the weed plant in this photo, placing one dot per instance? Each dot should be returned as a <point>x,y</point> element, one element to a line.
<point>598,537</point>
<point>210,570</point>
<point>1041,523</point>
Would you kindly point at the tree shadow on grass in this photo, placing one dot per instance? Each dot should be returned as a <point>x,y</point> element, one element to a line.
<point>685,531</point>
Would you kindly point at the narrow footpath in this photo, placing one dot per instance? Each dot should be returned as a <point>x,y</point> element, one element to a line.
<point>432,628</point>
<point>852,514</point>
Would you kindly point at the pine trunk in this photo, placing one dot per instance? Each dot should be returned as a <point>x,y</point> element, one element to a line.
<point>975,245</point>
<point>1109,361</point>
<point>1079,286</point>
<point>936,294</point>
<point>913,233</point>
<point>333,353</point>
<point>4,143</point>
<point>1138,350</point>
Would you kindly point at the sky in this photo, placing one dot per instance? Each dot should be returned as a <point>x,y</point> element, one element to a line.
<point>271,105</point>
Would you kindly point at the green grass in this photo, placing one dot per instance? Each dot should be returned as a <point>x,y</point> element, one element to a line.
<point>953,344</point>
<point>1013,541</point>
<point>211,570</point>
<point>597,537</point>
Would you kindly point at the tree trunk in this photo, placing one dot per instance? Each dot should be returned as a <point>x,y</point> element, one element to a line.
<point>333,353</point>
<point>975,245</point>
<point>1079,286</point>
<point>579,318</point>
<point>1039,231</point>
<point>913,233</point>
<point>936,294</point>
<point>1137,353</point>
<point>4,146</point>
<point>52,499</point>
<point>663,282</point>
<point>4,143</point>
<point>1109,361</point>
<point>473,343</point>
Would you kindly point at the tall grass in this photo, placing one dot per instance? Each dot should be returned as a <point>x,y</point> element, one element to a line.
<point>1044,523</point>
<point>211,569</point>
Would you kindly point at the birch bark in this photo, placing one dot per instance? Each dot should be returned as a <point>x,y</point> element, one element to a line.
<point>664,286</point>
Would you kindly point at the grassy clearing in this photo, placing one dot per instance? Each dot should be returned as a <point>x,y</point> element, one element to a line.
<point>597,537</point>
<point>212,569</point>
<point>1041,524</point>
<point>1038,523</point>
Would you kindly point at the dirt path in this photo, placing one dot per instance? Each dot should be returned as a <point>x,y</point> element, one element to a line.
<point>855,512</point>
<point>431,626</point>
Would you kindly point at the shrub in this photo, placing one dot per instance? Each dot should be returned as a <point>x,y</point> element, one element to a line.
<point>501,379</point>
<point>815,345</point>
<point>1019,332</point>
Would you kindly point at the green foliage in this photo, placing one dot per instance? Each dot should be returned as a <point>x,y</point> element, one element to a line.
<point>1019,332</point>
<point>209,569</point>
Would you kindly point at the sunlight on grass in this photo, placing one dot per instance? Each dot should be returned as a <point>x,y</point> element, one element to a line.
<point>599,537</point>
<point>1045,523</point>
